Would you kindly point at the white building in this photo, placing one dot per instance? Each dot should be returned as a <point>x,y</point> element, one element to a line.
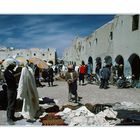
<point>48,54</point>
<point>118,41</point>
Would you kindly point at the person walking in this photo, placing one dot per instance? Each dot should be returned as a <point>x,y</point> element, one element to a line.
<point>71,78</point>
<point>82,72</point>
<point>11,90</point>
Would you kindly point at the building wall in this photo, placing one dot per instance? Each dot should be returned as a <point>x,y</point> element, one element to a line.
<point>45,54</point>
<point>94,45</point>
<point>124,42</point>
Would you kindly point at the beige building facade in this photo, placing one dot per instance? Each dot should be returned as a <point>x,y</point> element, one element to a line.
<point>48,54</point>
<point>118,41</point>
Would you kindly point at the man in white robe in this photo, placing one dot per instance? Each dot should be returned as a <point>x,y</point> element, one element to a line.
<point>28,92</point>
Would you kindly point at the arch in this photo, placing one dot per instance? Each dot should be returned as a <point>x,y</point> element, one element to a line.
<point>90,60</point>
<point>108,60</point>
<point>134,61</point>
<point>119,60</point>
<point>98,60</point>
<point>127,68</point>
<point>50,61</point>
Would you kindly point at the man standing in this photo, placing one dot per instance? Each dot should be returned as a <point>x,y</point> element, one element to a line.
<point>104,76</point>
<point>11,90</point>
<point>37,76</point>
<point>50,75</point>
<point>82,72</point>
<point>71,78</point>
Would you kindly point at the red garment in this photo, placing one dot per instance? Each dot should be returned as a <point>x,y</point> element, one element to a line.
<point>82,69</point>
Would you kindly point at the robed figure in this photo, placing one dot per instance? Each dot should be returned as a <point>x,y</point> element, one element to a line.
<point>28,92</point>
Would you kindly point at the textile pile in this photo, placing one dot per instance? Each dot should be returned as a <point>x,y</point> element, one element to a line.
<point>52,119</point>
<point>93,115</point>
<point>83,117</point>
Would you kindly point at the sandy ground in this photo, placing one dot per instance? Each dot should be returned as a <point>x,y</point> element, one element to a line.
<point>90,93</point>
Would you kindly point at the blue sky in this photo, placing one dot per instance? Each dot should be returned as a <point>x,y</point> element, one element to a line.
<point>47,31</point>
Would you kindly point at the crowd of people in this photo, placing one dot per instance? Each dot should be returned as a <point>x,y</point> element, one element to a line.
<point>23,83</point>
<point>103,76</point>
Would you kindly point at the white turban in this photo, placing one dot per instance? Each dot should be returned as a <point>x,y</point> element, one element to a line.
<point>8,62</point>
<point>49,64</point>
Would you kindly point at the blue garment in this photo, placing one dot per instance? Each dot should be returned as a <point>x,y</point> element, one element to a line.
<point>105,73</point>
<point>89,68</point>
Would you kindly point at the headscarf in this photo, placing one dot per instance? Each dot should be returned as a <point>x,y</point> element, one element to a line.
<point>8,62</point>
<point>70,66</point>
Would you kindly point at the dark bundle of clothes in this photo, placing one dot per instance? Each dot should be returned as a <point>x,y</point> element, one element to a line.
<point>54,108</point>
<point>97,107</point>
<point>3,97</point>
<point>47,100</point>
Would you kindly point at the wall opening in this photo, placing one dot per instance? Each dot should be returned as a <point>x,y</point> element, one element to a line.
<point>98,60</point>
<point>134,61</point>
<point>111,35</point>
<point>108,60</point>
<point>90,60</point>
<point>135,22</point>
<point>119,60</point>
<point>98,65</point>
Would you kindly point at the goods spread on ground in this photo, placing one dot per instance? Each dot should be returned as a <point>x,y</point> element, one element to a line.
<point>94,115</point>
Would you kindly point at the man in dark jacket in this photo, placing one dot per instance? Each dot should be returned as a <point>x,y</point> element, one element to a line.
<point>104,76</point>
<point>50,75</point>
<point>37,76</point>
<point>11,92</point>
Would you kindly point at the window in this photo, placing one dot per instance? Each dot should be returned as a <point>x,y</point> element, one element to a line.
<point>90,44</point>
<point>43,54</point>
<point>79,43</point>
<point>34,54</point>
<point>96,40</point>
<point>79,48</point>
<point>135,22</point>
<point>111,35</point>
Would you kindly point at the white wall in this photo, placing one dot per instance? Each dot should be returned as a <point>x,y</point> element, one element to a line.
<point>125,41</point>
